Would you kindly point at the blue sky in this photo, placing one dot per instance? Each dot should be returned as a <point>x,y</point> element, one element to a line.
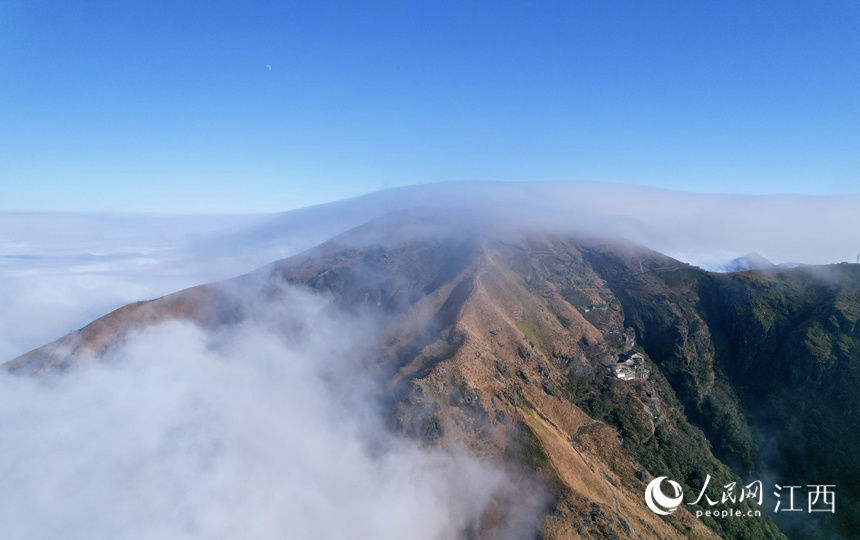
<point>170,106</point>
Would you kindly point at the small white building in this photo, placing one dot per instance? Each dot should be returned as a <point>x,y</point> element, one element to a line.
<point>627,366</point>
<point>623,372</point>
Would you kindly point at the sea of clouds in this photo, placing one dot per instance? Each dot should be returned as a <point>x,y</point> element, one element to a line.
<point>270,428</point>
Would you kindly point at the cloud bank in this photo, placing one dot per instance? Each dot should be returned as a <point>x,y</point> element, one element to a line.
<point>704,229</point>
<point>266,429</point>
<point>60,271</point>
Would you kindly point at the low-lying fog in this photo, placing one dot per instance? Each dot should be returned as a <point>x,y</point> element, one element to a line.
<point>267,429</point>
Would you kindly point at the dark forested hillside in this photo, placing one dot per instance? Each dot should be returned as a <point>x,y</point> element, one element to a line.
<point>766,362</point>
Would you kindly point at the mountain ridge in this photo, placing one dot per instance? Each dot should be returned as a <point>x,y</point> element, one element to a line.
<point>501,343</point>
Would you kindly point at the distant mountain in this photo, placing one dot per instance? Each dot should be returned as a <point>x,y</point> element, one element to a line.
<point>754,261</point>
<point>502,341</point>
<point>750,261</point>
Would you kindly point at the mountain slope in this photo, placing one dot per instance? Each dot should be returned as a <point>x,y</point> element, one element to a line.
<point>765,362</point>
<point>500,342</point>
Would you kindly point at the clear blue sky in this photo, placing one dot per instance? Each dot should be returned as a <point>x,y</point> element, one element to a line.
<point>263,106</point>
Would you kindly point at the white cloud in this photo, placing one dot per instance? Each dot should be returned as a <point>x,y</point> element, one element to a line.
<point>265,430</point>
<point>60,271</point>
<point>702,229</point>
